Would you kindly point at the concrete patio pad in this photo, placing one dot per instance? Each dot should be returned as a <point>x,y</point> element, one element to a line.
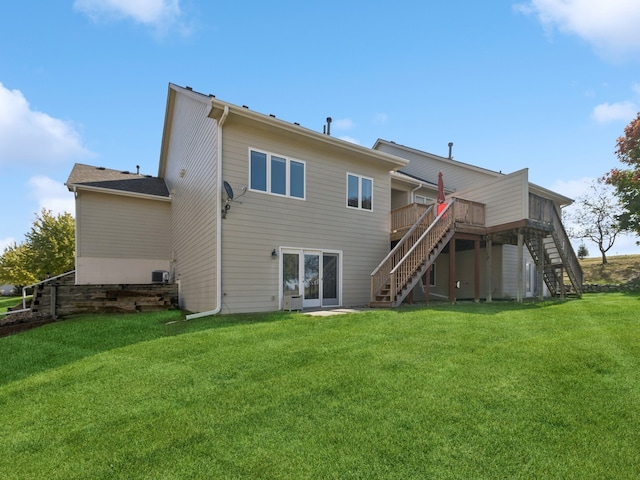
<point>333,311</point>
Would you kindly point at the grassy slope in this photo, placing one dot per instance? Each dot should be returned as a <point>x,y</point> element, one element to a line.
<point>466,391</point>
<point>6,302</point>
<point>620,269</point>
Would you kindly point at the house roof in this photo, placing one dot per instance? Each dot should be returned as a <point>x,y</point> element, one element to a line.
<point>88,177</point>
<point>433,156</point>
<point>537,189</point>
<point>245,114</point>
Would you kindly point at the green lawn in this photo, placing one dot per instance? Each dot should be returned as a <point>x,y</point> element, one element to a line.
<point>6,302</point>
<point>471,391</point>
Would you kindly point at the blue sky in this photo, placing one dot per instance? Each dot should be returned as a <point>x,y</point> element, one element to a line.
<point>543,84</point>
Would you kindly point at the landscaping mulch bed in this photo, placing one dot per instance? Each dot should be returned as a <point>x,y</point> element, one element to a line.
<point>19,322</point>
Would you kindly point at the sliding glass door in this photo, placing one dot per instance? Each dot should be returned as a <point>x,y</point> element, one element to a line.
<point>314,275</point>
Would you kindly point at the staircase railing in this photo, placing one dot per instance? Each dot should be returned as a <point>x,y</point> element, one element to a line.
<point>569,258</point>
<point>380,276</point>
<point>419,252</point>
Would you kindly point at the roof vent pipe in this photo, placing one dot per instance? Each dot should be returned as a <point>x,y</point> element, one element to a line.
<point>137,169</point>
<point>329,126</point>
<point>450,148</point>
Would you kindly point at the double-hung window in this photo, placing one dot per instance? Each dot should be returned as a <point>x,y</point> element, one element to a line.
<point>276,174</point>
<point>359,192</point>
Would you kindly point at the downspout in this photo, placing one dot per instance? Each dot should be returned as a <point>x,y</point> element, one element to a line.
<point>215,311</point>
<point>414,190</point>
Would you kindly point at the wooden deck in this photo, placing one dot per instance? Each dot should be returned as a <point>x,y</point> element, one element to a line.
<point>469,217</point>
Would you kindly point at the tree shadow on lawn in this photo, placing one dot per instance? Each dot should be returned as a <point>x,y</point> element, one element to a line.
<point>80,336</point>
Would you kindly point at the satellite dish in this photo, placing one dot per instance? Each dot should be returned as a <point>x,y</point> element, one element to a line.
<point>228,189</point>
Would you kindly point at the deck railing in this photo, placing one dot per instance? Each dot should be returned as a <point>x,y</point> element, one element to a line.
<point>421,249</point>
<point>469,212</point>
<point>466,211</point>
<point>407,216</point>
<point>380,276</point>
<point>541,209</point>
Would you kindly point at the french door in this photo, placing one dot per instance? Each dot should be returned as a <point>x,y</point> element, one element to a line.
<point>314,275</point>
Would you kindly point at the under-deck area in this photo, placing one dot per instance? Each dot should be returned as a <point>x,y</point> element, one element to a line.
<point>456,236</point>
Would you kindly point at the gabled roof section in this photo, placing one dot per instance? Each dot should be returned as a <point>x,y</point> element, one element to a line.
<point>432,156</point>
<point>558,198</point>
<point>87,177</point>
<point>266,121</point>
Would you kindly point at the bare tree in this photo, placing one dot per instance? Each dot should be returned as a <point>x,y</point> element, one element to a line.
<point>594,217</point>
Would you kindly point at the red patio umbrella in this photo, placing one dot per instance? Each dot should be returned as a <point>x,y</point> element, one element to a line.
<point>441,199</point>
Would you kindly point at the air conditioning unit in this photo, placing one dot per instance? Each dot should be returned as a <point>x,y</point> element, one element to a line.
<point>159,276</point>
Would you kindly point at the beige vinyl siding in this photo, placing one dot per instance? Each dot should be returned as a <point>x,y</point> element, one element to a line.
<point>110,271</point>
<point>506,199</point>
<point>117,226</point>
<point>510,271</point>
<point>258,222</point>
<point>191,176</point>
<point>456,175</point>
<point>117,229</point>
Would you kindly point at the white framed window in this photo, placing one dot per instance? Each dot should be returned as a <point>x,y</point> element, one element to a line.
<point>276,174</point>
<point>359,192</point>
<point>422,199</point>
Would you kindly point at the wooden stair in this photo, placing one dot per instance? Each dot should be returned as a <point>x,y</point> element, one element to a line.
<point>403,267</point>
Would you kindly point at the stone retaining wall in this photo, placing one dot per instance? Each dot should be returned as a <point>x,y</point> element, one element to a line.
<point>608,288</point>
<point>68,298</point>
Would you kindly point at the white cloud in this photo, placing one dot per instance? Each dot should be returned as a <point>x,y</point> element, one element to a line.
<point>611,26</point>
<point>51,195</point>
<point>30,136</point>
<point>343,124</point>
<point>156,13</point>
<point>350,139</point>
<point>611,112</point>
<point>572,188</point>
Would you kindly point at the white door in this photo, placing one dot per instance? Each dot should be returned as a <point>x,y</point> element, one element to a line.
<point>314,275</point>
<point>311,275</point>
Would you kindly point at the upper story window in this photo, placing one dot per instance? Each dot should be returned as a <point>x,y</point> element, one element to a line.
<point>276,174</point>
<point>359,192</point>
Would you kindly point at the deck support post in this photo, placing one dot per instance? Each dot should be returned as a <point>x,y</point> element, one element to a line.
<point>489,249</point>
<point>452,269</point>
<point>520,282</point>
<point>54,291</point>
<point>427,286</point>
<point>476,267</point>
<point>541,260</point>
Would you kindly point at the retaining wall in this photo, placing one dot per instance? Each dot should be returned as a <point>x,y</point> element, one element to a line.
<point>62,297</point>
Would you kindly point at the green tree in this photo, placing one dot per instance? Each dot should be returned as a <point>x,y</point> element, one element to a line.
<point>51,242</point>
<point>49,250</point>
<point>13,266</point>
<point>627,181</point>
<point>583,252</point>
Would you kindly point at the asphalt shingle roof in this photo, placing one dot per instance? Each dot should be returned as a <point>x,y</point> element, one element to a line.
<point>100,177</point>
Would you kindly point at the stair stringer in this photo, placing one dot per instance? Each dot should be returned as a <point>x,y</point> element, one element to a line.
<point>548,269</point>
<point>573,278</point>
<point>417,275</point>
